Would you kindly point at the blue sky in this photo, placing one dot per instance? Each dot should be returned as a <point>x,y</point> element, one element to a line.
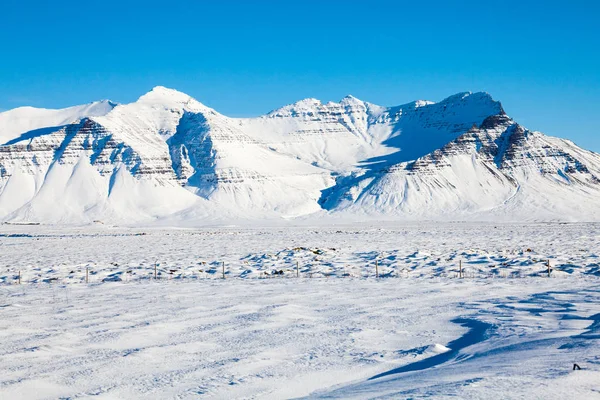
<point>541,59</point>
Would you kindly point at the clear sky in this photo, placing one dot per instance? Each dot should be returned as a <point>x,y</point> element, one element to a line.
<point>244,58</point>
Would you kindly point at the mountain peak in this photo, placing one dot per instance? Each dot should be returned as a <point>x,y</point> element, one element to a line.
<point>474,99</point>
<point>461,96</point>
<point>421,103</point>
<point>310,101</point>
<point>106,102</point>
<point>167,98</point>
<point>349,99</point>
<point>296,108</point>
<point>163,94</point>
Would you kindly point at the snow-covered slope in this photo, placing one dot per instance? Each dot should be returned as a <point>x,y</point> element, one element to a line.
<point>108,166</point>
<point>134,162</point>
<point>496,169</point>
<point>341,136</point>
<point>25,119</point>
<point>169,156</point>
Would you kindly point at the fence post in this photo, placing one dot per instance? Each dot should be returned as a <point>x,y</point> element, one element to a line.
<point>86,275</point>
<point>155,275</point>
<point>548,265</point>
<point>460,273</point>
<point>376,268</point>
<point>223,268</point>
<point>19,277</point>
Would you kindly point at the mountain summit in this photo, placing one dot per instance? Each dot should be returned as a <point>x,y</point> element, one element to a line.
<point>169,156</point>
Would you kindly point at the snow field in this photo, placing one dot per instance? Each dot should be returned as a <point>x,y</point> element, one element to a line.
<point>45,254</point>
<point>289,338</point>
<point>334,332</point>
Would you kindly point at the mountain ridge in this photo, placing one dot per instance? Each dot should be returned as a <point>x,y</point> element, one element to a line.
<point>168,156</point>
<point>24,119</point>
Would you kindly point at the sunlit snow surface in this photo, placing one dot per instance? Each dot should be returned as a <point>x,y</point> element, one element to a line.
<point>167,158</point>
<point>399,250</point>
<point>504,331</point>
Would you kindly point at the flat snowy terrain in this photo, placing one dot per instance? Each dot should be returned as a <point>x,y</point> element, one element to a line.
<point>61,255</point>
<point>506,330</point>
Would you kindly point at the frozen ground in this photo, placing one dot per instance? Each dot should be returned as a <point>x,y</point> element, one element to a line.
<point>44,254</point>
<point>288,338</point>
<point>416,332</point>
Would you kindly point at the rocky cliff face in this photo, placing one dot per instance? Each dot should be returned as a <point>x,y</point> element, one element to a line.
<point>168,154</point>
<point>506,146</point>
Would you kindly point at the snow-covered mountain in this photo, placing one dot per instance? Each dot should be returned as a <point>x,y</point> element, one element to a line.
<point>496,168</point>
<point>169,156</point>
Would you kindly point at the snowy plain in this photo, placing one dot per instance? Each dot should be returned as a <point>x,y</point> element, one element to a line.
<point>506,330</point>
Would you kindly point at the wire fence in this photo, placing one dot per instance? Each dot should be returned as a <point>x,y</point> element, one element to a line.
<point>222,270</point>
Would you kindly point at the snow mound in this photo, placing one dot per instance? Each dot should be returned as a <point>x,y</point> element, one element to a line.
<point>438,348</point>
